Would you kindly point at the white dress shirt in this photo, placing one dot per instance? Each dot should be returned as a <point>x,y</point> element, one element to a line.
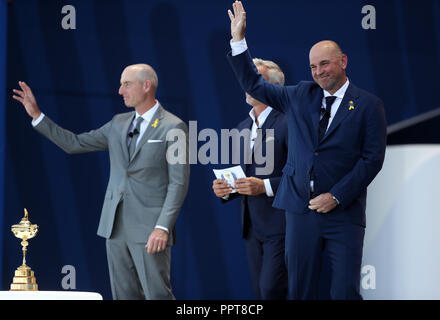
<point>335,106</point>
<point>261,119</point>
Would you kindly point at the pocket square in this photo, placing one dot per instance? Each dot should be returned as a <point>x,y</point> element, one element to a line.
<point>153,141</point>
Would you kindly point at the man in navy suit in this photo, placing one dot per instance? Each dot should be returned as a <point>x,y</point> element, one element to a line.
<point>263,226</point>
<point>338,149</point>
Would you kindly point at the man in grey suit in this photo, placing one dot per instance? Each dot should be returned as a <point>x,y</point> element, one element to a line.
<point>145,191</point>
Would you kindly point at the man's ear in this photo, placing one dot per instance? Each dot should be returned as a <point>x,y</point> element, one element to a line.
<point>344,61</point>
<point>147,85</point>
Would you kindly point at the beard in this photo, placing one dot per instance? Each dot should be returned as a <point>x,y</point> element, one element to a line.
<point>327,83</point>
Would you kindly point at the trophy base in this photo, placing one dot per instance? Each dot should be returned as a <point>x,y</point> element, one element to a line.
<point>24,280</point>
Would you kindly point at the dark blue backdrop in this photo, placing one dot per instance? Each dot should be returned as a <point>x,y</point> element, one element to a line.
<point>3,50</point>
<point>75,77</point>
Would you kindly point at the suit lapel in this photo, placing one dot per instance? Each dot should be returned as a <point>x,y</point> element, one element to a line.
<point>315,114</point>
<point>124,134</point>
<point>153,125</point>
<point>343,110</point>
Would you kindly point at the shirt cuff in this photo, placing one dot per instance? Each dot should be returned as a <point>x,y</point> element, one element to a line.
<point>335,199</point>
<point>238,47</point>
<point>163,228</point>
<point>35,122</point>
<point>225,197</point>
<point>269,191</point>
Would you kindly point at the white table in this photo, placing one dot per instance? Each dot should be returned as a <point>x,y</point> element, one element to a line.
<point>49,295</point>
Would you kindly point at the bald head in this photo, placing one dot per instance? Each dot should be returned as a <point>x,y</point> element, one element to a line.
<point>328,64</point>
<point>143,72</point>
<point>329,45</point>
<point>138,87</point>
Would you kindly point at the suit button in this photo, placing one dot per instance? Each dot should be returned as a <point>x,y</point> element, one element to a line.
<point>316,153</point>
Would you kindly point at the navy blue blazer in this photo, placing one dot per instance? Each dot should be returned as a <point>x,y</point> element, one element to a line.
<point>345,161</point>
<point>267,222</point>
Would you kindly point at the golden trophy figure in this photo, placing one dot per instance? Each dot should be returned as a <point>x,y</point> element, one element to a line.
<point>24,279</point>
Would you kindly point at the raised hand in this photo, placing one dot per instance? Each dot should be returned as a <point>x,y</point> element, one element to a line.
<point>27,99</point>
<point>238,21</point>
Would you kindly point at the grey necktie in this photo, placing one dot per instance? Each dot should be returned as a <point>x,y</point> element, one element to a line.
<point>135,136</point>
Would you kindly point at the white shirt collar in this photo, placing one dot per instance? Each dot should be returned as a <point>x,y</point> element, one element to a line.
<point>149,114</point>
<point>262,117</point>
<point>341,91</point>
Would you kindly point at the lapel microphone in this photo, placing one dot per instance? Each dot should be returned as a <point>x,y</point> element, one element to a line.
<point>259,131</point>
<point>133,133</point>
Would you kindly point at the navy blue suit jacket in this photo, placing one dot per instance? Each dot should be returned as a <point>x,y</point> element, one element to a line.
<point>267,222</point>
<point>345,161</point>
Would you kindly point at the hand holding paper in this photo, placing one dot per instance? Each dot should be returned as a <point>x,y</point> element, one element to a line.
<point>229,175</point>
<point>250,186</point>
<point>221,188</point>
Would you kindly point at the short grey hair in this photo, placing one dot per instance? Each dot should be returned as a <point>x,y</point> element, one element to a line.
<point>146,72</point>
<point>275,73</point>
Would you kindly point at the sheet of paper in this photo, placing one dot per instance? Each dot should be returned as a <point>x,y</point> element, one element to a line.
<point>230,175</point>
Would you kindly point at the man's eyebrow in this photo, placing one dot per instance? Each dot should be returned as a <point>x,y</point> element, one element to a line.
<point>322,61</point>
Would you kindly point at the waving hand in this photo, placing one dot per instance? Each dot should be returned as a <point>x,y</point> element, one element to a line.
<point>238,21</point>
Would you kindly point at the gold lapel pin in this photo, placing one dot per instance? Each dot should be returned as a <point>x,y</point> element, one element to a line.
<point>154,125</point>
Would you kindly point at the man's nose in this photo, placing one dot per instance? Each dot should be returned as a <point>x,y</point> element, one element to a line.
<point>319,70</point>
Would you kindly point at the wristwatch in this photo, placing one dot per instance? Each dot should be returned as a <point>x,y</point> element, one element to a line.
<point>335,200</point>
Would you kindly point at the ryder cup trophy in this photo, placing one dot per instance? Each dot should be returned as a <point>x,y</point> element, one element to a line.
<point>24,279</point>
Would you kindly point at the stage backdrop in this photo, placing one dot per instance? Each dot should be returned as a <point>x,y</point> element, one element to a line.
<point>73,57</point>
<point>3,50</point>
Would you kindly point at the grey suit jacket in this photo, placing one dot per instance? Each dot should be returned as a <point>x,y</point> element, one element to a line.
<point>152,189</point>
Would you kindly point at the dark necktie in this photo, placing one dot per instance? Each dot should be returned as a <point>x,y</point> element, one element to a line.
<point>323,123</point>
<point>135,136</point>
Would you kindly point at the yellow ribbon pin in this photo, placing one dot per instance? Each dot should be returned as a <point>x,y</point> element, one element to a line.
<point>154,125</point>
<point>350,105</point>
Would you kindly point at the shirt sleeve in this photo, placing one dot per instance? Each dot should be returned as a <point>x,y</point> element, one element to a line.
<point>269,191</point>
<point>163,228</point>
<point>35,122</point>
<point>238,47</point>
